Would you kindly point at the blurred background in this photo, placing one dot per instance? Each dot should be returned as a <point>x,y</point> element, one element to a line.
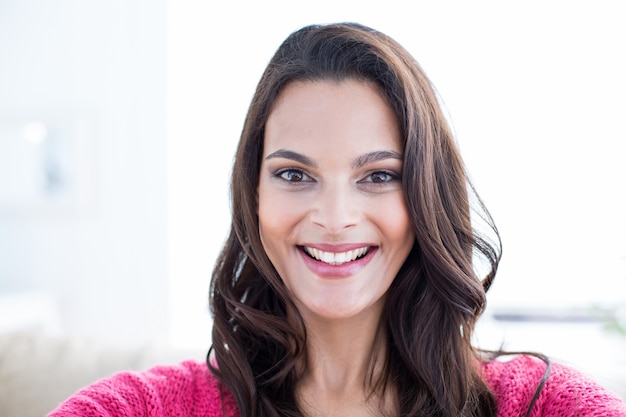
<point>119,118</point>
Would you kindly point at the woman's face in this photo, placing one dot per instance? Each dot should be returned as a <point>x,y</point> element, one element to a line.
<point>332,215</point>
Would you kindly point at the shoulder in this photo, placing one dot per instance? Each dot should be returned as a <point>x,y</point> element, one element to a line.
<point>185,389</point>
<point>567,392</point>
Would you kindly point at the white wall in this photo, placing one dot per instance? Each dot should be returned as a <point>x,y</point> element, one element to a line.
<point>535,92</point>
<point>102,255</point>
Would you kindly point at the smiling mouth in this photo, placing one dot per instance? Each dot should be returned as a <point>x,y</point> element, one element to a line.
<point>338,258</point>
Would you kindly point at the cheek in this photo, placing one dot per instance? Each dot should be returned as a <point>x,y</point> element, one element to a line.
<point>401,226</point>
<point>393,218</point>
<point>398,233</point>
<point>277,218</point>
<point>268,212</point>
<point>278,225</point>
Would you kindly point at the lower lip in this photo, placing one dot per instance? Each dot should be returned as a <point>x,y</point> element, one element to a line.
<point>344,270</point>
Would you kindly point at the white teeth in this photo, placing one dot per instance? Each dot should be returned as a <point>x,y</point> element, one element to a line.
<point>327,257</point>
<point>336,258</point>
<point>340,257</point>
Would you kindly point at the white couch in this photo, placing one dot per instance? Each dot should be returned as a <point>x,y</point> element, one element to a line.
<point>37,372</point>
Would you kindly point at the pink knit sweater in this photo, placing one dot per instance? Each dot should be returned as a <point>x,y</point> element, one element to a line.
<point>190,390</point>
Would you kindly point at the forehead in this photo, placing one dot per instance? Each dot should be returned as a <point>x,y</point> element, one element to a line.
<point>347,113</point>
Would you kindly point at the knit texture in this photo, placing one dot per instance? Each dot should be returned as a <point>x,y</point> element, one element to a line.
<point>190,390</point>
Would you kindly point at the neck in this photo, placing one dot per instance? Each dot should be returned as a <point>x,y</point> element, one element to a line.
<point>344,358</point>
<point>350,347</point>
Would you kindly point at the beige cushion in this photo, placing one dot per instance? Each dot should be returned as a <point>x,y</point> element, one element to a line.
<point>37,372</point>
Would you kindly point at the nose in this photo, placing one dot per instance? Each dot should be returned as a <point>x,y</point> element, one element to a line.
<point>335,208</point>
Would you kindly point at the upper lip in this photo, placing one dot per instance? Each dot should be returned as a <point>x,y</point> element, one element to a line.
<point>337,248</point>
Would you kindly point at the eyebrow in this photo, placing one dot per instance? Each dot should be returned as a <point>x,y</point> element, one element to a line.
<point>376,156</point>
<point>294,156</point>
<point>360,161</point>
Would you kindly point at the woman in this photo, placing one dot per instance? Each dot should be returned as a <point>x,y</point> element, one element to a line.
<point>347,286</point>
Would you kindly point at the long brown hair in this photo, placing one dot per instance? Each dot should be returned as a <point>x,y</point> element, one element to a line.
<point>436,298</point>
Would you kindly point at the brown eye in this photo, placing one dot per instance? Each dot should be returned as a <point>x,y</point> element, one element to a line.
<point>381,177</point>
<point>293,175</point>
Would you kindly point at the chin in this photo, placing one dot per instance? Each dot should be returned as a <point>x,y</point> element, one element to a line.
<point>338,312</point>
